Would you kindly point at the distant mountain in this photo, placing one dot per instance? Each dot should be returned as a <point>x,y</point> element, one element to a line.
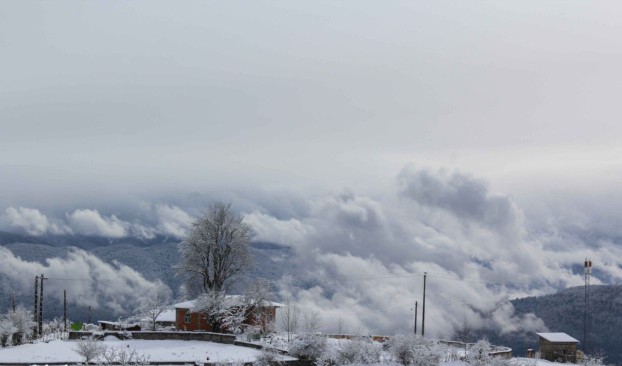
<point>154,259</point>
<point>564,312</point>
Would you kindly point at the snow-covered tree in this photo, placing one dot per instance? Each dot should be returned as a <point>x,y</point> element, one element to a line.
<point>7,331</point>
<point>89,348</point>
<point>215,251</point>
<point>222,312</point>
<point>21,320</point>
<point>155,304</point>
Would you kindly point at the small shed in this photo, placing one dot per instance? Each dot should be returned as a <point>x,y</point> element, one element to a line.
<point>558,347</point>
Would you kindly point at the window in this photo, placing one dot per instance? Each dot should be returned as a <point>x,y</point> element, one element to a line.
<point>187,317</point>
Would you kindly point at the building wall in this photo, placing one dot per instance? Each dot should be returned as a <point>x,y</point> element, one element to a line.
<point>194,322</point>
<point>189,321</point>
<point>557,351</point>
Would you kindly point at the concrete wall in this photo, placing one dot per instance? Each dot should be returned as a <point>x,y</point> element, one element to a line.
<point>183,336</point>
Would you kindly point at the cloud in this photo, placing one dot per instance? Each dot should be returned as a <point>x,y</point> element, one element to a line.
<point>31,221</point>
<point>172,220</point>
<point>360,258</point>
<point>88,280</point>
<point>271,229</point>
<point>91,222</point>
<point>461,194</point>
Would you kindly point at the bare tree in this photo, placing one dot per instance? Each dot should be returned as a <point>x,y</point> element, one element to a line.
<point>312,322</point>
<point>259,296</point>
<point>289,318</point>
<point>155,304</point>
<point>215,251</point>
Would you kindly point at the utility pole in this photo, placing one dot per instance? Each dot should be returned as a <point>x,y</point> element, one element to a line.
<point>13,300</point>
<point>36,315</point>
<point>41,305</point>
<point>587,270</point>
<point>65,309</point>
<point>416,306</point>
<point>89,314</point>
<point>425,274</point>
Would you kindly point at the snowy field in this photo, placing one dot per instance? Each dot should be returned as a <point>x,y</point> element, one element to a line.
<point>167,350</point>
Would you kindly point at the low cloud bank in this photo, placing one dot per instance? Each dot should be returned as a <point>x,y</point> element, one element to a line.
<point>89,281</point>
<point>156,219</point>
<point>360,259</point>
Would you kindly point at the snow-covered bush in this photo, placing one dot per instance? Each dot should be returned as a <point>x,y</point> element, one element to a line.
<point>308,347</point>
<point>123,357</point>
<point>89,348</point>
<point>478,354</point>
<point>417,351</point>
<point>268,357</point>
<point>592,360</point>
<point>361,350</point>
<point>402,348</point>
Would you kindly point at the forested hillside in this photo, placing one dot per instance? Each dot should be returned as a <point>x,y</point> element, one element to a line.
<point>564,312</point>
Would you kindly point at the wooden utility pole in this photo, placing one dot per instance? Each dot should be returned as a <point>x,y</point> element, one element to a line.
<point>41,305</point>
<point>13,300</point>
<point>89,314</point>
<point>36,315</point>
<point>416,306</point>
<point>65,309</point>
<point>425,274</point>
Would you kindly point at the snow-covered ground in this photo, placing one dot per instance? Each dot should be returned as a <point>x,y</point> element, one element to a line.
<point>168,350</point>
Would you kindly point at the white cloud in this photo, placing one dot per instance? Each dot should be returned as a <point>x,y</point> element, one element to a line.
<point>90,222</point>
<point>88,280</point>
<point>31,221</point>
<point>271,229</point>
<point>172,220</point>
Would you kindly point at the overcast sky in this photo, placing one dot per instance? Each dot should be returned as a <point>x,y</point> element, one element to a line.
<point>131,96</point>
<point>125,118</point>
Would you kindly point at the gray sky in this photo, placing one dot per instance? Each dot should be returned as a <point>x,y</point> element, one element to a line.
<point>398,136</point>
<point>135,96</point>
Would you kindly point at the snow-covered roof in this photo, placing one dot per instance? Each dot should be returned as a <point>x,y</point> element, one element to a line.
<point>558,337</point>
<point>185,305</point>
<point>166,316</point>
<point>191,303</point>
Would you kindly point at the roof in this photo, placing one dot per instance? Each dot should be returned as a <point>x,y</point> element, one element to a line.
<point>166,316</point>
<point>191,303</point>
<point>558,337</point>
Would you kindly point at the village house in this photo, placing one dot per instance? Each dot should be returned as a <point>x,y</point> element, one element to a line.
<point>558,347</point>
<point>188,320</point>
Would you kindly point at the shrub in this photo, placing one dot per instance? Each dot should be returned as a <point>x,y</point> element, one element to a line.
<point>89,348</point>
<point>359,350</point>
<point>308,347</point>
